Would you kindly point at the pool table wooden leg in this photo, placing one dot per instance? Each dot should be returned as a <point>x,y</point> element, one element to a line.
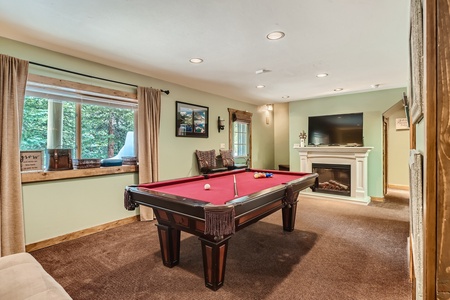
<point>289,212</point>
<point>214,261</point>
<point>169,241</point>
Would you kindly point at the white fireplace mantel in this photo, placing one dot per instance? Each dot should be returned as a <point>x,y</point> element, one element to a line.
<point>356,157</point>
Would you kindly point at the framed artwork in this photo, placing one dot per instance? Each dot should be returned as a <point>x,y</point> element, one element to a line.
<point>191,120</point>
<point>401,124</point>
<point>416,62</point>
<point>31,160</point>
<point>416,215</point>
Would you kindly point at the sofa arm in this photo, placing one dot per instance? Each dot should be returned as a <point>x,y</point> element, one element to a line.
<point>23,277</point>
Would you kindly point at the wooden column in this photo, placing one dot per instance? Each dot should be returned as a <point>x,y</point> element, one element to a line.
<point>443,149</point>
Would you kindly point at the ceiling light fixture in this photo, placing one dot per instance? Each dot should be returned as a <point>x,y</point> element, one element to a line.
<point>260,86</point>
<point>338,89</point>
<point>262,71</point>
<point>275,35</point>
<point>322,75</point>
<point>375,86</point>
<point>285,97</point>
<point>196,60</point>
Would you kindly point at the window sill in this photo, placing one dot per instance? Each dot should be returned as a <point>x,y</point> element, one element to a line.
<point>39,176</point>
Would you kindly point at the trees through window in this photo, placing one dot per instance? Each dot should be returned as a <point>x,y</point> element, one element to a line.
<point>92,125</point>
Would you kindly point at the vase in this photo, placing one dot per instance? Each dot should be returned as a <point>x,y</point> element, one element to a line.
<point>302,142</point>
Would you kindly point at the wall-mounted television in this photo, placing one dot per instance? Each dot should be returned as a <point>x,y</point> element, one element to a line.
<point>336,130</point>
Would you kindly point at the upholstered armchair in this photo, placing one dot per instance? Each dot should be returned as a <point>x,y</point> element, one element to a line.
<point>229,161</point>
<point>207,162</point>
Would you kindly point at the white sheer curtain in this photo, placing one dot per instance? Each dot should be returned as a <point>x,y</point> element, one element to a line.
<point>149,115</point>
<point>13,79</point>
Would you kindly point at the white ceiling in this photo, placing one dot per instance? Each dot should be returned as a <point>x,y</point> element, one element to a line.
<point>359,43</point>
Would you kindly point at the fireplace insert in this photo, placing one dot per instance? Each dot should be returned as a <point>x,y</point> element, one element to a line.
<point>333,178</point>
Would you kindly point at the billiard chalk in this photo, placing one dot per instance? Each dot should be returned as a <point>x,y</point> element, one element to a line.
<point>207,186</point>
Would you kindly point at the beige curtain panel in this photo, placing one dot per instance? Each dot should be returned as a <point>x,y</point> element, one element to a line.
<point>13,79</point>
<point>149,115</point>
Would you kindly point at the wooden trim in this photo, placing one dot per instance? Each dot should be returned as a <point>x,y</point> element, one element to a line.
<point>28,177</point>
<point>232,111</point>
<point>442,146</point>
<point>80,86</point>
<point>80,233</point>
<point>430,159</point>
<point>385,153</point>
<point>377,199</point>
<point>78,129</point>
<point>412,275</point>
<point>398,187</point>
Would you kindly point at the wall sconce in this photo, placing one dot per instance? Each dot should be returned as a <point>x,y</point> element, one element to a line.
<point>220,124</point>
<point>269,108</point>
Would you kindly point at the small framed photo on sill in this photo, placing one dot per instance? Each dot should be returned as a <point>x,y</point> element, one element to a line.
<point>191,120</point>
<point>32,160</point>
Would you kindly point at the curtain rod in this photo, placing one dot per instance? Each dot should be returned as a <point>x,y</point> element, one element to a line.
<point>90,76</point>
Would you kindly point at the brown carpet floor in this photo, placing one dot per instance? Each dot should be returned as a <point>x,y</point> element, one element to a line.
<point>337,251</point>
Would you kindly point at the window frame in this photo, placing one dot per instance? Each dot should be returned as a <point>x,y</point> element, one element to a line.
<point>86,89</point>
<point>244,117</point>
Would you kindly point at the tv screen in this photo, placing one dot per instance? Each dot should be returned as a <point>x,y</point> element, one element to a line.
<point>336,130</point>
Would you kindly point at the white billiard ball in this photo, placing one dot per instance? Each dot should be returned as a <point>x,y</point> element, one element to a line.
<point>207,186</point>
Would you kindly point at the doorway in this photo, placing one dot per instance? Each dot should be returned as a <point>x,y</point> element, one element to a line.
<point>395,153</point>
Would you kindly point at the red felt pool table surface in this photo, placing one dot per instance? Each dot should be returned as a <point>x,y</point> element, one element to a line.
<point>222,185</point>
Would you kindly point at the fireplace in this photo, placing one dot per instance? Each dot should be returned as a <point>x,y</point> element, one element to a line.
<point>355,157</point>
<point>333,178</point>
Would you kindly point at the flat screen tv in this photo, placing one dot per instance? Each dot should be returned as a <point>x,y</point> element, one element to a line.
<point>336,130</point>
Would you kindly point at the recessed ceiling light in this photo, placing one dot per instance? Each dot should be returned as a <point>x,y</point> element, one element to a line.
<point>260,86</point>
<point>196,60</point>
<point>285,97</point>
<point>262,71</point>
<point>322,75</point>
<point>338,89</point>
<point>276,35</point>
<point>375,86</point>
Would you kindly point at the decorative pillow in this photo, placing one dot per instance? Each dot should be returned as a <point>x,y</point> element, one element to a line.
<point>206,159</point>
<point>227,158</point>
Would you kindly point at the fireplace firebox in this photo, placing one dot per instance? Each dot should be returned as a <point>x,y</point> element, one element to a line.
<point>333,178</point>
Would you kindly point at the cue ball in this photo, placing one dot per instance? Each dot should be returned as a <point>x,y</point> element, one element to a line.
<point>207,186</point>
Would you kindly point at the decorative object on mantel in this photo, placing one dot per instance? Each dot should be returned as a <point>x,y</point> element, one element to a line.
<point>302,137</point>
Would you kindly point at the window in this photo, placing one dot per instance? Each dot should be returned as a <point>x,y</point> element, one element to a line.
<point>92,124</point>
<point>241,135</point>
<point>240,139</point>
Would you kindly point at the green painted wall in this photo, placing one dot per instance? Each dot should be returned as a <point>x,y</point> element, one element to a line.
<point>55,208</point>
<point>60,207</point>
<point>372,104</point>
<point>281,134</point>
<point>398,152</point>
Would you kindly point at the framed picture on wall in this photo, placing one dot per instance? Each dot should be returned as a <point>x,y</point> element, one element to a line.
<point>416,62</point>
<point>191,120</point>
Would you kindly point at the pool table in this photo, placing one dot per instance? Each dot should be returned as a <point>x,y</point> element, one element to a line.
<point>234,200</point>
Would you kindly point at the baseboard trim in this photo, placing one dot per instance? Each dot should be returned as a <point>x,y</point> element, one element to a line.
<point>78,234</point>
<point>377,199</point>
<point>398,187</point>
